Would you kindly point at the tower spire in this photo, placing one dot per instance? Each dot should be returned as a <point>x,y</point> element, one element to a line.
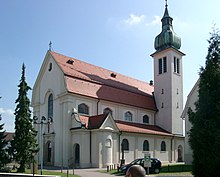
<point>167,38</point>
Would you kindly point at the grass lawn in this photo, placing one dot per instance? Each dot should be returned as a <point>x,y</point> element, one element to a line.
<point>47,172</point>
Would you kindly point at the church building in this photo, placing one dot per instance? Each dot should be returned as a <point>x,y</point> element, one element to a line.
<point>93,117</point>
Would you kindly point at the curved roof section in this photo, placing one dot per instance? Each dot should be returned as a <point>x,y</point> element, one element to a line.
<point>97,82</point>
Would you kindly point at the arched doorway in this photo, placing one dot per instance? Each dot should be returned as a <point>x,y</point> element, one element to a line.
<point>48,156</point>
<point>180,154</point>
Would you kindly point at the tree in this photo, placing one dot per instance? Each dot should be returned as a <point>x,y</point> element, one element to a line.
<point>4,157</point>
<point>204,136</point>
<point>25,135</point>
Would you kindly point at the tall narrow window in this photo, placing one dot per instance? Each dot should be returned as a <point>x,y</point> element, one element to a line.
<point>160,66</point>
<point>163,146</point>
<point>146,145</point>
<point>176,64</point>
<point>145,119</point>
<point>164,64</point>
<point>50,106</point>
<point>50,111</point>
<point>83,109</point>
<point>128,116</point>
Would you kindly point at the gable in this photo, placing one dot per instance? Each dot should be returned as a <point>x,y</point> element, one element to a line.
<point>50,79</point>
<point>109,124</point>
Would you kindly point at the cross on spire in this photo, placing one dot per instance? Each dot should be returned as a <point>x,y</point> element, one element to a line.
<point>166,3</point>
<point>50,46</point>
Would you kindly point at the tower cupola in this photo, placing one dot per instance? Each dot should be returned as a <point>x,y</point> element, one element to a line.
<point>167,38</point>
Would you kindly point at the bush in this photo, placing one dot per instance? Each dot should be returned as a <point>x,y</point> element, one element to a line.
<point>5,169</point>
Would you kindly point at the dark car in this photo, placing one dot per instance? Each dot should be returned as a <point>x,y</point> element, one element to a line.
<point>155,165</point>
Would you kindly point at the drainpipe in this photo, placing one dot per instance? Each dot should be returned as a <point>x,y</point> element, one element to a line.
<point>97,111</point>
<point>119,145</point>
<point>171,144</point>
<point>90,149</point>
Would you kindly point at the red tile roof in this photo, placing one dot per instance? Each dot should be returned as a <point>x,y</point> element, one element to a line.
<point>97,82</point>
<point>141,128</point>
<point>95,122</point>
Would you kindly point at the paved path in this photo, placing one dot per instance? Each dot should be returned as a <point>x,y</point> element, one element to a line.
<point>94,172</point>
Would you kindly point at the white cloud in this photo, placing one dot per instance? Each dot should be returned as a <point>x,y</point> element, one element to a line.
<point>135,19</point>
<point>155,21</point>
<point>9,112</point>
<point>141,19</point>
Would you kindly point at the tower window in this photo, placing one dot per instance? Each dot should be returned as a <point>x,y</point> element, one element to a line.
<point>176,64</point>
<point>162,65</point>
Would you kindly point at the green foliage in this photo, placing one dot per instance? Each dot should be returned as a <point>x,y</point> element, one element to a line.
<point>4,157</point>
<point>204,136</point>
<point>25,135</point>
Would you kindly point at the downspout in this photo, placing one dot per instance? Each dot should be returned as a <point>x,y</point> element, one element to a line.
<point>171,144</point>
<point>90,137</point>
<point>97,111</point>
<point>90,149</point>
<point>119,145</point>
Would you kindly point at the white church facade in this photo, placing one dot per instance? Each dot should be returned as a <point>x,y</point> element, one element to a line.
<point>99,117</point>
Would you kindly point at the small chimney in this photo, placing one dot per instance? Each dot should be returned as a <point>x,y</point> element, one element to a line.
<point>151,82</point>
<point>70,61</point>
<point>113,75</point>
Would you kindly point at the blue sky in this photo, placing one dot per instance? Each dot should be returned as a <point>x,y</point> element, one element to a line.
<point>114,34</point>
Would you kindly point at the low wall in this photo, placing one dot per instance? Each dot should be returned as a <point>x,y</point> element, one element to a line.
<point>21,174</point>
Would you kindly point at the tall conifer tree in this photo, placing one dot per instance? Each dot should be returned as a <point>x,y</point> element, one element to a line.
<point>204,136</point>
<point>4,157</point>
<point>25,135</point>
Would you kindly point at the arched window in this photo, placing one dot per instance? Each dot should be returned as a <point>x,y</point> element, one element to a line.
<point>125,145</point>
<point>128,116</point>
<point>146,145</point>
<point>83,109</point>
<point>50,111</point>
<point>107,111</point>
<point>50,106</point>
<point>163,146</point>
<point>145,119</point>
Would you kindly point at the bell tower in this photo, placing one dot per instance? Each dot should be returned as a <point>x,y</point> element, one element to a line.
<point>168,78</point>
